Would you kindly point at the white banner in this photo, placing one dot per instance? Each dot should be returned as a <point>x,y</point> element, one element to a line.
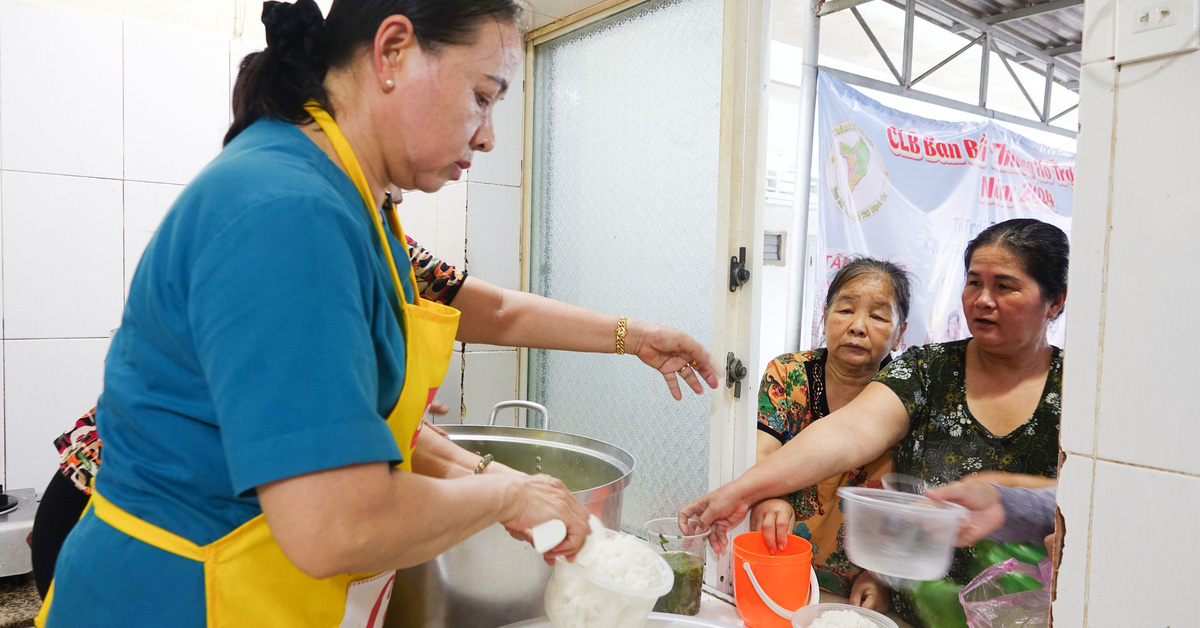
<point>914,191</point>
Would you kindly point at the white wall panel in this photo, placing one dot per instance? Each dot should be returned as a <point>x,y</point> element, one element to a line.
<point>176,101</point>
<point>489,378</point>
<point>61,96</point>
<point>502,165</point>
<point>1075,503</point>
<point>145,206</point>
<point>1089,231</point>
<point>451,243</point>
<point>48,384</point>
<point>1143,523</point>
<point>63,256</point>
<point>1149,350</point>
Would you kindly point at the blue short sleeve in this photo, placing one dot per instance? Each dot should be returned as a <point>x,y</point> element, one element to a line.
<point>283,337</point>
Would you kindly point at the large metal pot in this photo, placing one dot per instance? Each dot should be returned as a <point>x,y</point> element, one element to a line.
<point>492,579</point>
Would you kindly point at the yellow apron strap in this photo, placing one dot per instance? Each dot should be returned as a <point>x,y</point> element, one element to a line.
<point>342,146</point>
<point>145,531</point>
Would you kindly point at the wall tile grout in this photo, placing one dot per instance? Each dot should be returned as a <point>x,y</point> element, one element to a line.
<point>1148,468</point>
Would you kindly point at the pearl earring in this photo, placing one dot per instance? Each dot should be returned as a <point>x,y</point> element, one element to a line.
<point>389,83</point>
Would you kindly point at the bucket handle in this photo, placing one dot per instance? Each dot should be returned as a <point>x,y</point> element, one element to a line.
<point>779,610</point>
<point>528,405</point>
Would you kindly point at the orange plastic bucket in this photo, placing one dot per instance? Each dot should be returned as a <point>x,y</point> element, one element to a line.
<point>768,589</point>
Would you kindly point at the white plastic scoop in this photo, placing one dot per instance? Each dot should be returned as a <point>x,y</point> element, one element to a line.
<point>547,536</point>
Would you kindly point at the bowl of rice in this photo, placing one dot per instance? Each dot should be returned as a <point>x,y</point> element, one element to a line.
<point>839,616</point>
<point>615,580</point>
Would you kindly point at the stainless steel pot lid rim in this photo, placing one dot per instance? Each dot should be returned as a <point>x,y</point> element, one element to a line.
<point>657,620</point>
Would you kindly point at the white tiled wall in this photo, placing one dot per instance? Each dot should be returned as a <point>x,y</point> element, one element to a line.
<point>60,104</point>
<point>145,206</point>
<point>176,104</point>
<point>97,139</point>
<point>1130,486</point>
<point>62,255</point>
<point>48,384</point>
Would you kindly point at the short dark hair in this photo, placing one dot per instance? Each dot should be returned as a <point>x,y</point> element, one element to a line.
<point>1043,249</point>
<point>302,46</point>
<point>863,266</point>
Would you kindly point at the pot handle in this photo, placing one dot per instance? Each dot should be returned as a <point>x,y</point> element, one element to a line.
<point>528,405</point>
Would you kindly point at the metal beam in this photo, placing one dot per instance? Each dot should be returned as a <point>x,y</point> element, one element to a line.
<point>947,60</point>
<point>878,46</point>
<point>797,242</point>
<point>888,88</point>
<point>1063,113</point>
<point>955,13</point>
<point>910,15</point>
<point>1020,86</point>
<point>1064,50</point>
<point>833,6</point>
<point>985,65</point>
<point>1036,9</point>
<point>1045,113</point>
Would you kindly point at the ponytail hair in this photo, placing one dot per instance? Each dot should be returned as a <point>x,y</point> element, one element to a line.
<point>302,46</point>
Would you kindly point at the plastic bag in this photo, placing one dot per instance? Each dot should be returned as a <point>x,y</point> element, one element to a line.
<point>1001,596</point>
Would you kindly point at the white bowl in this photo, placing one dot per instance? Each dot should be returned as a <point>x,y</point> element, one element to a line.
<point>809,614</point>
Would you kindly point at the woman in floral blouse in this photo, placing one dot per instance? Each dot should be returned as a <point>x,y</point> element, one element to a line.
<point>866,309</point>
<point>990,403</point>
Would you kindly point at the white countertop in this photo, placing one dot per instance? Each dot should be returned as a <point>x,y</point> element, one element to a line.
<point>717,609</point>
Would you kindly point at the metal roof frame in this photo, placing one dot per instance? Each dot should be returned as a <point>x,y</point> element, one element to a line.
<point>1043,37</point>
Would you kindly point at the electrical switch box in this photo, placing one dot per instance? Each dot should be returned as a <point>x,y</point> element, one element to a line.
<point>1148,29</point>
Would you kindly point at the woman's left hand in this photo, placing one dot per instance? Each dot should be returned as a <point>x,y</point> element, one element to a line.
<point>672,353</point>
<point>869,593</point>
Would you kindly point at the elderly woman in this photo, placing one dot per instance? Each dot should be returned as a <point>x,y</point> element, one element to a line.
<point>987,403</point>
<point>264,462</point>
<point>866,309</point>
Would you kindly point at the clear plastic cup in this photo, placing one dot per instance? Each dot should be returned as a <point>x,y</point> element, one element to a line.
<point>685,553</point>
<point>899,534</point>
<point>807,615</point>
<point>577,597</point>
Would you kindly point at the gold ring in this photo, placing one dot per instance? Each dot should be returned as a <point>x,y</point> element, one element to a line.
<point>692,363</point>
<point>680,371</point>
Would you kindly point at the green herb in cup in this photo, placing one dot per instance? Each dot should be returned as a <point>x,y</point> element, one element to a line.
<point>684,597</point>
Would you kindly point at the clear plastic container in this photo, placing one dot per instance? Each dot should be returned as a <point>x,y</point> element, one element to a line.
<point>807,615</point>
<point>899,534</point>
<point>905,483</point>
<point>685,553</point>
<point>577,597</point>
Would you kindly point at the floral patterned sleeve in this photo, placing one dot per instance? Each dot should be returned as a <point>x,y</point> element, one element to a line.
<point>437,281</point>
<point>783,397</point>
<point>907,377</point>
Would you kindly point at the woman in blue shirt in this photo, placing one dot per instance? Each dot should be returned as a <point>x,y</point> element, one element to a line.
<point>264,462</point>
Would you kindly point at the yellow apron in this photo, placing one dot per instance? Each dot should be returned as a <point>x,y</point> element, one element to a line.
<point>249,583</point>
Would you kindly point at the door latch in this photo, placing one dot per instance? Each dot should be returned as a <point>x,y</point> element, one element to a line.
<point>738,274</point>
<point>735,372</point>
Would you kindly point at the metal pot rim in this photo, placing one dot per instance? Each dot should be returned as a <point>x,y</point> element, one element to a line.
<point>608,452</point>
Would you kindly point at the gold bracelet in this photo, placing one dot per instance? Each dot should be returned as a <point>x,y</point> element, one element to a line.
<point>621,335</point>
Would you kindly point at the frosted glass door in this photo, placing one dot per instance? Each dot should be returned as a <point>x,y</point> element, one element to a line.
<point>624,203</point>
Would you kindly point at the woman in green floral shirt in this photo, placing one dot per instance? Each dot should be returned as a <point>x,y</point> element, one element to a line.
<point>986,404</point>
<point>866,309</point>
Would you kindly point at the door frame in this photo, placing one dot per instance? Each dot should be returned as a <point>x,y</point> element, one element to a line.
<point>741,197</point>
